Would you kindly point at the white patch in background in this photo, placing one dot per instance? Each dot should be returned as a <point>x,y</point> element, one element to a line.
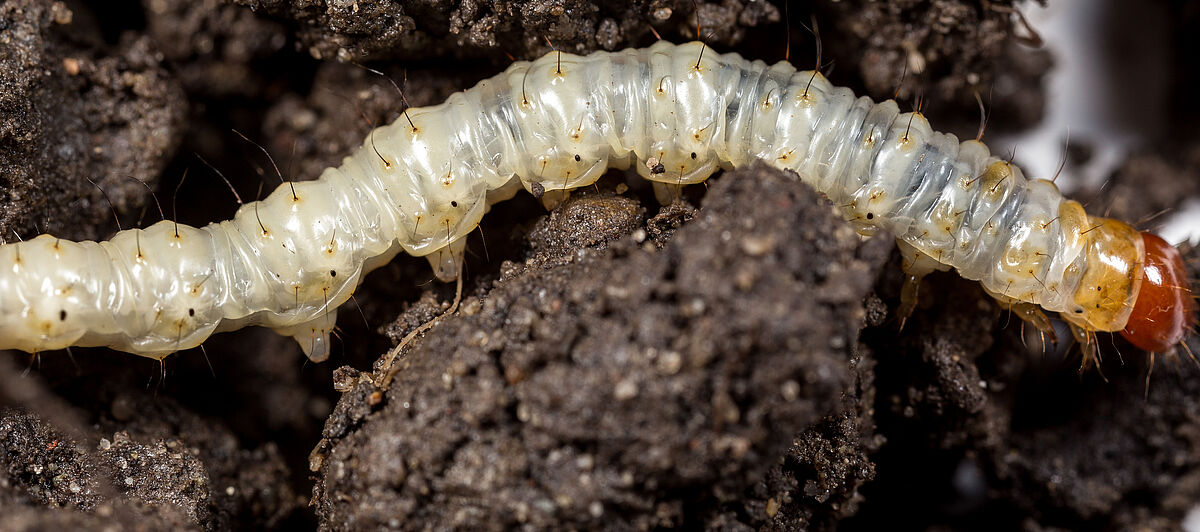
<point>1109,89</point>
<point>1183,224</point>
<point>1071,30</point>
<point>1191,521</point>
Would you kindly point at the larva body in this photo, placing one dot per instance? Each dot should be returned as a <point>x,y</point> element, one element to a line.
<point>423,183</point>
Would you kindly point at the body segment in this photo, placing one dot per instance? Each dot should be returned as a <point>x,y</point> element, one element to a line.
<point>422,183</point>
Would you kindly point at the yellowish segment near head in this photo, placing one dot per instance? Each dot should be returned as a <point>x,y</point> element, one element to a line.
<point>1109,285</point>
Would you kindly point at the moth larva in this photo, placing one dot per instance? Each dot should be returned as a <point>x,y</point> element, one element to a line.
<point>558,123</point>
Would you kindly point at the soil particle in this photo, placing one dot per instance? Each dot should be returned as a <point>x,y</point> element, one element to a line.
<point>816,484</point>
<point>43,466</point>
<point>1124,449</point>
<point>589,220</point>
<point>669,219</point>
<point>525,29</point>
<point>616,386</point>
<point>943,52</point>
<point>159,463</point>
<point>967,402</point>
<point>69,112</point>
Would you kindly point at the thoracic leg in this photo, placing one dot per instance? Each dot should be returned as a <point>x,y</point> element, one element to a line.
<point>1029,312</point>
<point>916,266</point>
<point>1087,345</point>
<point>1033,315</point>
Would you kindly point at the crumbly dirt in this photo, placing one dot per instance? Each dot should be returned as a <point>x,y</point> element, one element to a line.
<point>69,113</point>
<point>143,460</point>
<point>525,29</point>
<point>940,55</point>
<point>615,385</point>
<point>614,364</point>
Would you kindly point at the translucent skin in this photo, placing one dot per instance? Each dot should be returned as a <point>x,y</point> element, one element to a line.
<point>1164,309</point>
<point>422,183</point>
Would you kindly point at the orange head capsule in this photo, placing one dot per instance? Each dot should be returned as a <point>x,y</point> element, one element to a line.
<point>1164,308</point>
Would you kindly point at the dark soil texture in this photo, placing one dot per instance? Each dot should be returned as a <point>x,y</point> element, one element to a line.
<point>731,361</point>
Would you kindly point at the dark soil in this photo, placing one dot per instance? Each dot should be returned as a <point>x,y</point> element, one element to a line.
<point>619,385</point>
<point>729,362</point>
<point>71,110</point>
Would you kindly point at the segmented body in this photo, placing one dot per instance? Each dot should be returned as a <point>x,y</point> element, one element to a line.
<point>422,183</point>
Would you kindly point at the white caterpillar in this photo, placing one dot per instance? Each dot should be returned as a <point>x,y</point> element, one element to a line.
<point>423,183</point>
